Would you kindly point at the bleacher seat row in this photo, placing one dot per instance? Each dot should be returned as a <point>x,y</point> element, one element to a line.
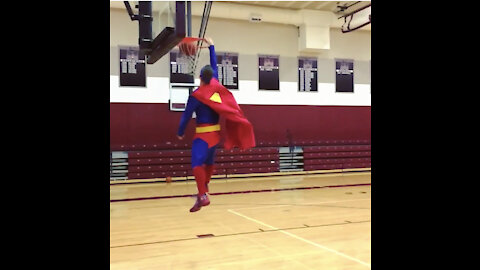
<point>187,145</point>
<point>174,163</point>
<point>336,157</point>
<point>161,163</point>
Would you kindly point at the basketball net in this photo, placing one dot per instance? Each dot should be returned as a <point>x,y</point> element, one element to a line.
<point>189,49</point>
<point>186,63</point>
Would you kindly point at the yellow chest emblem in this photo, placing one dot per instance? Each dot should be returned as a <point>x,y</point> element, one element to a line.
<point>216,98</point>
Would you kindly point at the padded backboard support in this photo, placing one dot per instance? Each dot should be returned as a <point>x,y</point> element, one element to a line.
<point>168,38</point>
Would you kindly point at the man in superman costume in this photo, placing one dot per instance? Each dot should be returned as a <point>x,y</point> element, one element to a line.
<point>210,101</point>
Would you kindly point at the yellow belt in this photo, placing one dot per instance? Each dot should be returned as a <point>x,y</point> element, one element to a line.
<point>208,129</point>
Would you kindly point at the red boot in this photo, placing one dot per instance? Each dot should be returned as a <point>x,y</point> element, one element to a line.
<point>200,178</point>
<point>201,201</point>
<point>208,174</point>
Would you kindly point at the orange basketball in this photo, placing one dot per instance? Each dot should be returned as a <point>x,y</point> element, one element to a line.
<point>187,48</point>
<point>169,179</point>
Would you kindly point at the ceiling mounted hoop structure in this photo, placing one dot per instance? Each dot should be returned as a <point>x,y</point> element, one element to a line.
<point>190,47</point>
<point>357,19</point>
<point>203,30</point>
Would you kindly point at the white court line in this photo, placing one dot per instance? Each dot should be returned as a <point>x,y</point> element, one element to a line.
<point>265,246</point>
<point>301,239</point>
<point>306,204</point>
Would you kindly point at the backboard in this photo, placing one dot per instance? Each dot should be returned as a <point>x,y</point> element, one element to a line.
<point>162,25</point>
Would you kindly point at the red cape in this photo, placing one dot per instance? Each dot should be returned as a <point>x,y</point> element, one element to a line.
<point>238,129</point>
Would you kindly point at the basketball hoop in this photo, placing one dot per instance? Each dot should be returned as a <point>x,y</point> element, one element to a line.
<point>189,49</point>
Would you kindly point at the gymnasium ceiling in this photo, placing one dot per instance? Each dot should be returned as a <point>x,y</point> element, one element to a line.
<point>332,6</point>
<point>314,5</point>
<point>295,5</point>
<point>339,8</point>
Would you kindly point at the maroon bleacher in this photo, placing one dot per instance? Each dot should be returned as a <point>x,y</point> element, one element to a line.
<point>175,163</point>
<point>346,154</point>
<point>162,160</point>
<point>186,145</point>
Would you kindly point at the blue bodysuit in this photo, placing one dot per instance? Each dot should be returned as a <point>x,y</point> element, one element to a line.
<point>203,152</point>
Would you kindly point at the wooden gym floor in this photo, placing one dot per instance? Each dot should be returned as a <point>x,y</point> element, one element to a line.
<point>309,222</point>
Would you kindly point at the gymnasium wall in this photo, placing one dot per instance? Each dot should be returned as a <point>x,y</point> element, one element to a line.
<point>141,115</point>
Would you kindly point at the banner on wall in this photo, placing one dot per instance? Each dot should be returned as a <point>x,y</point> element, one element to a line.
<point>132,67</point>
<point>307,74</point>
<point>268,72</point>
<point>179,69</point>
<point>344,75</point>
<point>227,64</point>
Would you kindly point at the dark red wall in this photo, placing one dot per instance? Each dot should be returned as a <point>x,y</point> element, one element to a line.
<point>140,123</point>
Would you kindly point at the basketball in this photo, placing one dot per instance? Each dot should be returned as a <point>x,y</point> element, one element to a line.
<point>169,179</point>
